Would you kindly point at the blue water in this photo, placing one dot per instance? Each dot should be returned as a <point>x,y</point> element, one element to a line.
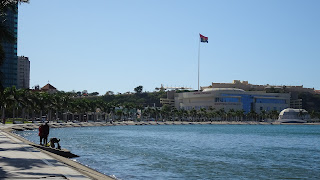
<point>195,151</point>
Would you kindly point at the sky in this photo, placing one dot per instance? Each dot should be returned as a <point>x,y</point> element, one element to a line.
<point>117,45</point>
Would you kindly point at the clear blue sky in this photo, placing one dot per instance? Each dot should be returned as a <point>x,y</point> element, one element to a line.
<point>117,45</point>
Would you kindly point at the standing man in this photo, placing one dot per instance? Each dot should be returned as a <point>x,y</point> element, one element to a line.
<point>45,133</point>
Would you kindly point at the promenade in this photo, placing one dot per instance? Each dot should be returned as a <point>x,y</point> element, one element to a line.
<point>19,160</point>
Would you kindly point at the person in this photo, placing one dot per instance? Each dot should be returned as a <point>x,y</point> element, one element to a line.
<point>55,140</point>
<point>41,133</point>
<point>45,130</point>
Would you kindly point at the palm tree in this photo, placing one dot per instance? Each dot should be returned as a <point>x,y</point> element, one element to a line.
<point>231,114</point>
<point>60,103</point>
<point>274,114</point>
<point>119,114</point>
<point>180,114</point>
<point>263,114</point>
<point>221,113</point>
<point>203,114</point>
<point>105,108</point>
<point>45,103</point>
<point>252,115</point>
<point>23,99</point>
<point>113,110</point>
<point>193,114</point>
<point>165,111</point>
<point>65,105</point>
<point>313,114</point>
<point>92,105</point>
<point>174,113</point>
<point>84,108</point>
<point>128,107</point>
<point>33,105</point>
<point>186,115</point>
<point>14,99</point>
<point>212,113</point>
<point>157,113</point>
<point>7,99</point>
<point>240,114</point>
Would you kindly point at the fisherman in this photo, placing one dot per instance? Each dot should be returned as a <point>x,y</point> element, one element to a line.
<point>53,141</point>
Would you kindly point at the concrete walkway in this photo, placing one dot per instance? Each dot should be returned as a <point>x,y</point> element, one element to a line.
<point>21,161</point>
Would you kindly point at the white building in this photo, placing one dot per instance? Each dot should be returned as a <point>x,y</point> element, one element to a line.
<point>291,115</point>
<point>23,72</point>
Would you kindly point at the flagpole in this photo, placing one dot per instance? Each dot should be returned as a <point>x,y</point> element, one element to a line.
<point>199,64</point>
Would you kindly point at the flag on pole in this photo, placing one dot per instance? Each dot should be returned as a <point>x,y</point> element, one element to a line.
<point>203,38</point>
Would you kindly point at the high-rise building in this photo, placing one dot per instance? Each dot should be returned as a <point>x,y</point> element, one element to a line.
<point>9,66</point>
<point>23,72</point>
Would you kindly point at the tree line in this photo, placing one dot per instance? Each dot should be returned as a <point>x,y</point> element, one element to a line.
<point>30,105</point>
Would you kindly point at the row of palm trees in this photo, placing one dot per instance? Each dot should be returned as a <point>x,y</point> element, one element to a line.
<point>211,114</point>
<point>32,105</point>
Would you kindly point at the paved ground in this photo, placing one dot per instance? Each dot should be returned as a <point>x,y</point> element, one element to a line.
<point>19,160</point>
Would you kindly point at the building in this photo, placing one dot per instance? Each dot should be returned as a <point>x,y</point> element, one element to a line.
<point>9,66</point>
<point>296,103</point>
<point>49,88</point>
<point>232,98</point>
<point>290,115</point>
<point>295,91</point>
<point>169,100</point>
<point>245,85</point>
<point>23,72</point>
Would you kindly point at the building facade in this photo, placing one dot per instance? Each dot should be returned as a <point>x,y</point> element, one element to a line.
<point>245,85</point>
<point>9,66</point>
<point>232,98</point>
<point>295,91</point>
<point>23,72</point>
<point>169,100</point>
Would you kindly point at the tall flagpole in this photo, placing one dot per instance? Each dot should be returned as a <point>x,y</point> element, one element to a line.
<point>199,64</point>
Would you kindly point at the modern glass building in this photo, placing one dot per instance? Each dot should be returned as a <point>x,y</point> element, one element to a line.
<point>232,98</point>
<point>9,66</point>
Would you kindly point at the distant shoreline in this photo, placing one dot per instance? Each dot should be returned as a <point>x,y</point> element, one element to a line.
<point>31,126</point>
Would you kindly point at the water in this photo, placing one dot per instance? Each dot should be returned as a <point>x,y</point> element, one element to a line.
<point>195,151</point>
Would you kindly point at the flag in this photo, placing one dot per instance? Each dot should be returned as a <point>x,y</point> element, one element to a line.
<point>203,38</point>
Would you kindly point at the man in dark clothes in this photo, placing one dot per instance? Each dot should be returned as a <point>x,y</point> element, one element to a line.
<point>45,132</point>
